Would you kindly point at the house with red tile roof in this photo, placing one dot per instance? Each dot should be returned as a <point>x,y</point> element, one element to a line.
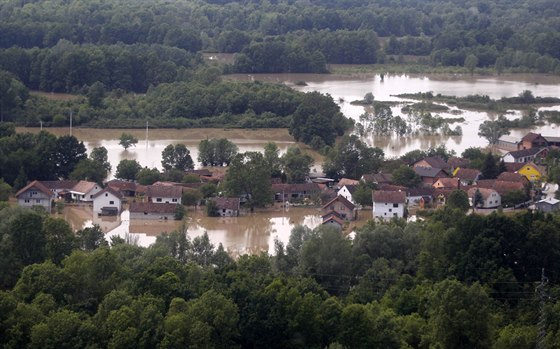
<point>151,210</point>
<point>468,176</point>
<point>169,194</point>
<point>334,219</point>
<point>227,207</point>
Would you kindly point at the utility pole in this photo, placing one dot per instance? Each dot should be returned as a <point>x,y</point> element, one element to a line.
<point>541,290</point>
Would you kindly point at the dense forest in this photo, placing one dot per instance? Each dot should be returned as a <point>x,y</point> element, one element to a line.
<point>131,62</point>
<point>453,281</point>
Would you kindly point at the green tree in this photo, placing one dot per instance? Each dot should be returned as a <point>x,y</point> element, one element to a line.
<point>492,131</point>
<point>148,176</point>
<point>128,169</point>
<point>363,194</point>
<point>458,199</point>
<point>99,154</point>
<point>13,95</point>
<point>177,157</point>
<point>95,94</point>
<point>89,170</point>
<point>91,238</point>
<point>68,153</point>
<point>5,190</point>
<point>127,140</point>
<point>318,117</point>
<point>272,158</point>
<point>489,168</point>
<point>471,61</point>
<point>406,176</point>
<point>296,165</point>
<point>248,176</point>
<point>352,158</point>
<point>459,316</point>
<point>478,200</point>
<point>59,239</point>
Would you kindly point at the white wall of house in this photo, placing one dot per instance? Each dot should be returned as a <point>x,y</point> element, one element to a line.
<point>413,200</point>
<point>510,159</point>
<point>87,197</point>
<point>106,199</point>
<point>493,200</point>
<point>345,193</point>
<point>162,200</point>
<point>228,212</point>
<point>34,198</point>
<point>387,211</point>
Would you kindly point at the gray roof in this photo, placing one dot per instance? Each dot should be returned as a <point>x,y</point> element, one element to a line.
<point>427,171</point>
<point>524,152</point>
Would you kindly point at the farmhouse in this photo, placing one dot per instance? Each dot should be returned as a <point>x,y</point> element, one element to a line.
<point>151,210</point>
<point>107,202</point>
<point>167,194</point>
<point>344,208</point>
<point>35,194</point>
<point>227,207</point>
<point>84,191</point>
<point>388,204</point>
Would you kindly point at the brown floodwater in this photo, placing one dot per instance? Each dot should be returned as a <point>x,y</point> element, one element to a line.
<point>256,232</point>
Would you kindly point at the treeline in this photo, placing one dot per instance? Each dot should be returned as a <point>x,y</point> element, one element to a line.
<point>517,35</point>
<point>453,281</point>
<point>68,67</point>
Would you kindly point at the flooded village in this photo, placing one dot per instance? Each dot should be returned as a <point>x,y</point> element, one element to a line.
<point>247,231</point>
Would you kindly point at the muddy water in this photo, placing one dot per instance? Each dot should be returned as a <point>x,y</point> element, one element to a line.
<point>344,89</point>
<point>149,148</point>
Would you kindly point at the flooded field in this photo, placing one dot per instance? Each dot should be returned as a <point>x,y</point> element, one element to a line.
<point>250,233</point>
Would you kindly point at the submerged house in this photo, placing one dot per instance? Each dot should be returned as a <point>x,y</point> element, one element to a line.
<point>227,207</point>
<point>151,210</point>
<point>107,202</point>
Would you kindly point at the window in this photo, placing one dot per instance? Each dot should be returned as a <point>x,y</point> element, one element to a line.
<point>174,200</point>
<point>395,205</point>
<point>27,200</point>
<point>395,214</point>
<point>390,210</point>
<point>106,194</point>
<point>224,210</point>
<point>38,201</point>
<point>111,202</point>
<point>158,200</point>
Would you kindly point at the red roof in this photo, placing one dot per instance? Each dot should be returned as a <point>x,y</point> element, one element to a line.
<point>164,191</point>
<point>109,190</point>
<point>227,203</point>
<point>530,137</point>
<point>467,174</point>
<point>512,177</point>
<point>151,207</point>
<point>122,185</point>
<point>342,200</point>
<point>392,197</point>
<point>35,185</point>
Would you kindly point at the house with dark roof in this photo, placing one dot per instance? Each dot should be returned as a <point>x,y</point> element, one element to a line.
<point>455,163</point>
<point>347,192</point>
<point>345,209</point>
<point>377,178</point>
<point>553,141</point>
<point>532,140</point>
<point>419,196</point>
<point>151,210</point>
<point>169,194</point>
<point>388,204</point>
<point>525,155</point>
<point>430,174</point>
<point>502,187</point>
<point>295,192</point>
<point>432,161</point>
<point>107,202</point>
<point>512,177</point>
<point>35,194</point>
<point>126,188</point>
<point>334,219</point>
<point>468,176</point>
<point>227,207</point>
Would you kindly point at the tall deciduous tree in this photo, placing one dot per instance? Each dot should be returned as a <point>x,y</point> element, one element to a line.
<point>406,176</point>
<point>176,157</point>
<point>248,176</point>
<point>352,158</point>
<point>128,169</point>
<point>69,152</point>
<point>296,165</point>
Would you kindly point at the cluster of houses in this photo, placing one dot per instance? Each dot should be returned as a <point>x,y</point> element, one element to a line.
<point>439,179</point>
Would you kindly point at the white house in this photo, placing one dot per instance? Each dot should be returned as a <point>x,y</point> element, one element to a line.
<point>169,194</point>
<point>227,207</point>
<point>388,204</point>
<point>490,197</point>
<point>35,194</point>
<point>347,191</point>
<point>84,191</point>
<point>107,202</point>
<point>524,155</point>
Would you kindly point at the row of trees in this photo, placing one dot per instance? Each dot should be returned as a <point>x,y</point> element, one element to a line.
<point>453,281</point>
